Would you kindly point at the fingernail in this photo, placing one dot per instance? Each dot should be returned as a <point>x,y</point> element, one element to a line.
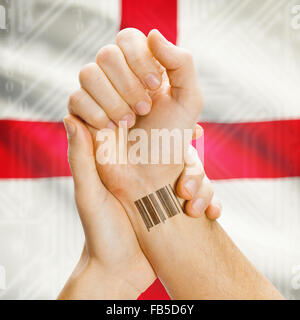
<point>199,205</point>
<point>142,108</point>
<point>130,119</point>
<point>152,81</point>
<point>191,187</point>
<point>111,125</point>
<point>70,128</point>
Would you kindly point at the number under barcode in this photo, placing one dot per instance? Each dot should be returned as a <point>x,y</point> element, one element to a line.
<point>158,206</point>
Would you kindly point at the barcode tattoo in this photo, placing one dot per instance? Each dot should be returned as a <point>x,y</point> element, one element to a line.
<point>156,207</point>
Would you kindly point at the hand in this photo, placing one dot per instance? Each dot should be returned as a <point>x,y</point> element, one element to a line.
<point>194,186</point>
<point>113,88</point>
<point>112,265</point>
<point>194,257</point>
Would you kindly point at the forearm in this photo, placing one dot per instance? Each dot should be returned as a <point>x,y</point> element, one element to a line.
<point>195,259</point>
<point>216,269</point>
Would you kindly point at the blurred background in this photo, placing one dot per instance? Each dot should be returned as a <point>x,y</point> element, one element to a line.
<point>247,54</point>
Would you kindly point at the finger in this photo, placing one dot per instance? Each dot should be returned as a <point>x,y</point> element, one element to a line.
<point>177,61</point>
<point>83,167</point>
<point>180,68</point>
<point>190,179</point>
<point>94,81</point>
<point>134,46</point>
<point>85,107</point>
<point>213,211</point>
<point>112,61</point>
<point>197,206</point>
<point>90,193</point>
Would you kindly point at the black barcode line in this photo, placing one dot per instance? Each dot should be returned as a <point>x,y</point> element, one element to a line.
<point>172,196</point>
<point>176,199</point>
<point>143,214</point>
<point>169,203</point>
<point>162,201</point>
<point>150,210</point>
<point>157,207</point>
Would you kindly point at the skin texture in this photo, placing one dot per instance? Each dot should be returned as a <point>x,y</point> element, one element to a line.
<point>171,106</point>
<point>112,264</point>
<point>194,258</point>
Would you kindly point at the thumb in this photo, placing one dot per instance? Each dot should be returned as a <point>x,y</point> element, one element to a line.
<point>178,63</point>
<point>88,187</point>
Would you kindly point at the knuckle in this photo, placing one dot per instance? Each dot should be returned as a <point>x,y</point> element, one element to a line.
<point>138,61</point>
<point>75,99</point>
<point>134,91</point>
<point>99,119</point>
<point>187,55</point>
<point>116,113</point>
<point>107,53</point>
<point>86,71</point>
<point>127,33</point>
<point>187,58</point>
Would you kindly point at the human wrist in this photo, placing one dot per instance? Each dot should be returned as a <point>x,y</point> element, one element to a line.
<point>91,280</point>
<point>115,281</point>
